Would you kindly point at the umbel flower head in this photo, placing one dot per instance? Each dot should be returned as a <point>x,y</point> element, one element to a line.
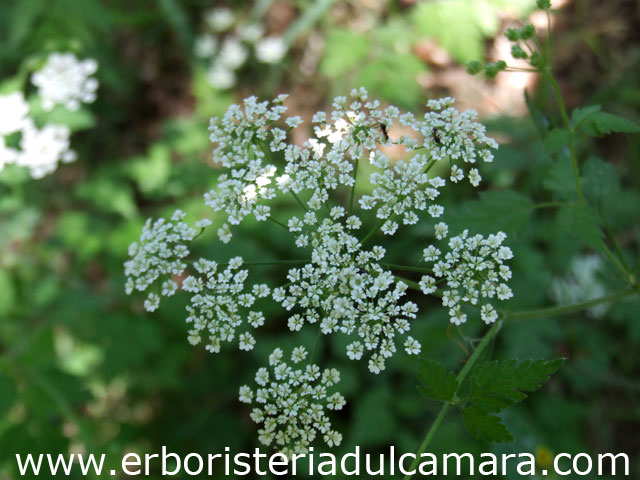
<point>291,402</point>
<point>341,285</point>
<point>474,271</point>
<point>65,80</point>
<point>344,289</point>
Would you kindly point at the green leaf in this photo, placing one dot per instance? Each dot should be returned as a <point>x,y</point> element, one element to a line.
<point>482,425</point>
<point>579,115</point>
<point>560,179</point>
<point>437,383</point>
<point>583,224</point>
<point>7,394</point>
<point>497,384</point>
<point>600,180</point>
<point>601,123</point>
<point>503,210</point>
<point>556,139</point>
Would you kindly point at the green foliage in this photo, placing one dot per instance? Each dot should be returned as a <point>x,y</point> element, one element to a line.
<point>484,426</point>
<point>596,123</point>
<point>504,210</point>
<point>437,383</point>
<point>497,385</point>
<point>82,366</point>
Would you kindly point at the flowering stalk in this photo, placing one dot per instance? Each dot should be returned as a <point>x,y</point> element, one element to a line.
<point>343,287</point>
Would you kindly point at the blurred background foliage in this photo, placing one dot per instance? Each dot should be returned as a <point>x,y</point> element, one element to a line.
<point>84,369</point>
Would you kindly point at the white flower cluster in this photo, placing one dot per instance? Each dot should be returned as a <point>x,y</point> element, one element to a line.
<point>402,190</point>
<point>159,254</point>
<point>40,148</point>
<point>345,290</point>
<point>65,80</point>
<point>242,138</point>
<point>474,268</point>
<point>448,133</point>
<point>342,286</point>
<point>227,45</point>
<point>220,304</point>
<point>292,402</point>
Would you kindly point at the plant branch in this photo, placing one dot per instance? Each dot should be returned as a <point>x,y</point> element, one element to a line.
<point>473,359</point>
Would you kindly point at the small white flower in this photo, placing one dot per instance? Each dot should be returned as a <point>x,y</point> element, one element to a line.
<point>412,346</point>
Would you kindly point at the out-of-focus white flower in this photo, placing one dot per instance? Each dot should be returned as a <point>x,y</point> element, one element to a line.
<point>270,49</point>
<point>581,284</point>
<point>219,19</point>
<point>221,77</point>
<point>43,148</point>
<point>206,46</point>
<point>232,54</point>
<point>13,113</point>
<point>251,32</point>
<point>65,80</point>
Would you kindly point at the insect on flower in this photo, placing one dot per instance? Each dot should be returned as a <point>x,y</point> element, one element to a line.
<point>384,130</point>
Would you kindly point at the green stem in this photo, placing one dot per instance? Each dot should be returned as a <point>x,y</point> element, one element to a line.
<point>565,119</point>
<point>568,309</point>
<point>277,222</point>
<point>375,229</point>
<point>300,202</point>
<point>353,187</point>
<point>473,359</point>
<point>406,268</point>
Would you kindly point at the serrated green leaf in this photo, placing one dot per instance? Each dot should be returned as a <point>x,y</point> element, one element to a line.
<point>579,115</point>
<point>601,123</point>
<point>437,383</point>
<point>582,223</point>
<point>497,384</point>
<point>556,139</point>
<point>503,210</point>
<point>484,426</point>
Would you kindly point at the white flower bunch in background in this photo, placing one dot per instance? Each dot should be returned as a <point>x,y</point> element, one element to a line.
<point>26,140</point>
<point>65,80</point>
<point>291,403</point>
<point>341,285</point>
<point>582,283</point>
<point>228,43</point>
